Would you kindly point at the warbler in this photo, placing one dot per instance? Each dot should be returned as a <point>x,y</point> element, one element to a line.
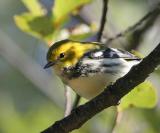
<point>88,67</point>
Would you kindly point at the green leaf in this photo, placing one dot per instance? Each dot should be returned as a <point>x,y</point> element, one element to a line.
<point>38,26</point>
<point>34,7</point>
<point>62,8</point>
<point>143,96</point>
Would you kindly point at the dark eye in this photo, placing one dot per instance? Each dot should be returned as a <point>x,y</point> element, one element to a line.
<point>61,55</point>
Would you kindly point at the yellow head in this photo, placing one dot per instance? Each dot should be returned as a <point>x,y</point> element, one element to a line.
<point>67,53</point>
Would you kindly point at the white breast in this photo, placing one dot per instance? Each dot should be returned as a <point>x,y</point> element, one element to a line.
<point>89,87</point>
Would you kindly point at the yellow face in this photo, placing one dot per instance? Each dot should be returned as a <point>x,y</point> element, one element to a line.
<point>67,53</point>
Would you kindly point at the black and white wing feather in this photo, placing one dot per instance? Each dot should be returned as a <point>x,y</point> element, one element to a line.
<point>109,61</point>
<point>111,53</point>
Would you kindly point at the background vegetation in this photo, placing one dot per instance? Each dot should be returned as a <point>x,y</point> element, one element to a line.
<point>30,98</point>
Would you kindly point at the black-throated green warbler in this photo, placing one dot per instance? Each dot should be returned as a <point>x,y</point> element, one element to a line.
<point>88,67</point>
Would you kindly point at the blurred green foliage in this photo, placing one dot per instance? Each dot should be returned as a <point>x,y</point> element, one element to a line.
<point>143,96</point>
<point>39,23</point>
<point>24,108</point>
<point>32,121</point>
<point>34,25</point>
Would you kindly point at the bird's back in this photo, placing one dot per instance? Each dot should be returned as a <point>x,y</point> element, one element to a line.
<point>98,68</point>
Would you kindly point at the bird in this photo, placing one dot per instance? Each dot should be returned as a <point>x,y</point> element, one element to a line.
<point>88,67</point>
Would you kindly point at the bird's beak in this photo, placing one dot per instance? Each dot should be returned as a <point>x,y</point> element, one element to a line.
<point>49,64</point>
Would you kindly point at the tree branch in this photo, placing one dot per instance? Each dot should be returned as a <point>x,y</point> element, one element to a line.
<point>109,97</point>
<point>137,35</point>
<point>103,20</point>
<point>150,16</point>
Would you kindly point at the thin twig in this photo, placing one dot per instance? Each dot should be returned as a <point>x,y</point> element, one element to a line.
<point>103,20</point>
<point>116,121</point>
<point>131,29</point>
<point>110,96</point>
<point>68,101</point>
<point>137,35</point>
